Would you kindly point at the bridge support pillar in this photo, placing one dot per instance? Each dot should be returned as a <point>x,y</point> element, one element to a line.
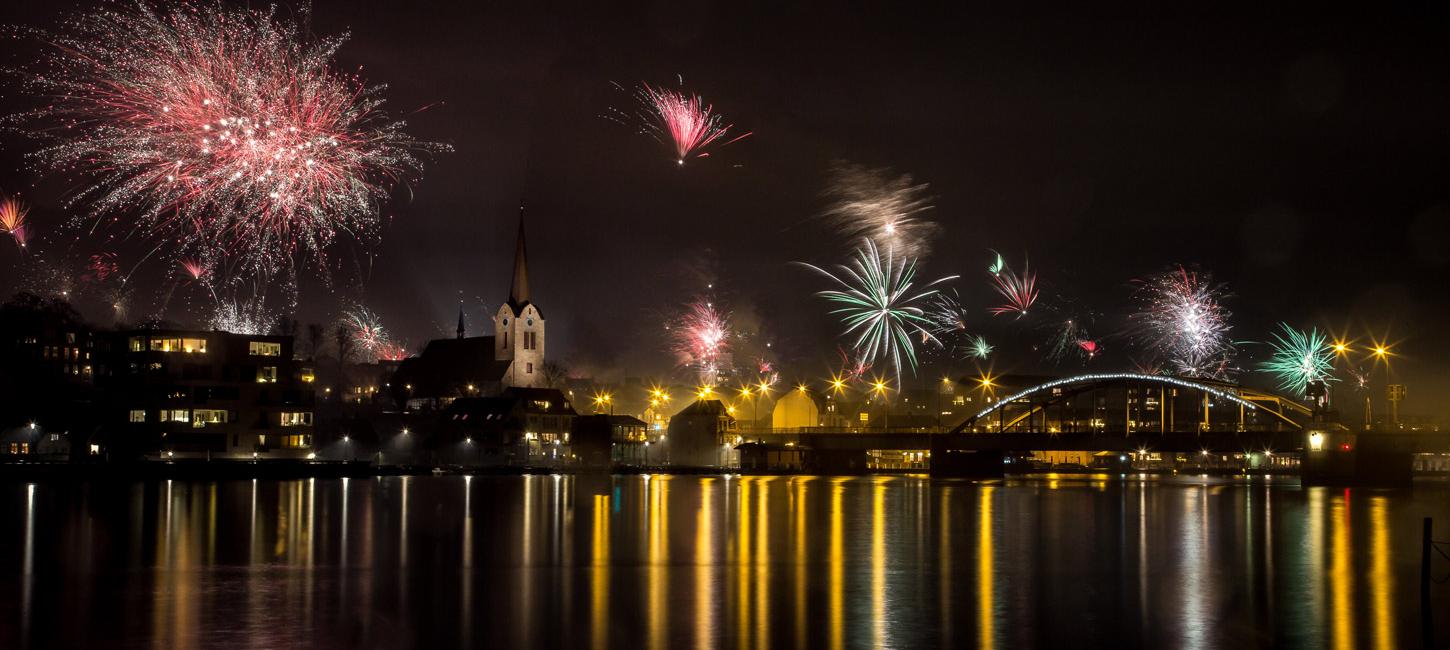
<point>949,460</point>
<point>1343,457</point>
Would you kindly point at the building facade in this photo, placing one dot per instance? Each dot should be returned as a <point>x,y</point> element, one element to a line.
<point>194,394</point>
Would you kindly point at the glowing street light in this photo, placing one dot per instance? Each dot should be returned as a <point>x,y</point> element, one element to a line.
<point>604,399</point>
<point>881,389</point>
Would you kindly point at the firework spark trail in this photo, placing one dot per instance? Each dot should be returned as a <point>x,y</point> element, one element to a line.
<point>1089,348</point>
<point>875,205</point>
<point>101,267</point>
<point>684,121</point>
<point>1300,358</point>
<point>877,303</point>
<point>12,219</point>
<point>194,268</point>
<point>980,349</point>
<point>947,313</point>
<point>241,317</point>
<point>368,333</point>
<point>1020,292</point>
<point>1182,319</point>
<point>203,125</point>
<point>391,351</point>
<point>997,264</point>
<point>701,338</point>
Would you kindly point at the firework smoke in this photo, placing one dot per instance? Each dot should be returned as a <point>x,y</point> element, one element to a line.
<point>874,205</point>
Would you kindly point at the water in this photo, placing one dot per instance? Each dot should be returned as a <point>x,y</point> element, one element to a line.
<point>683,561</point>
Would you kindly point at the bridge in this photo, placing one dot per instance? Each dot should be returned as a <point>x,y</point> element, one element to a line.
<point>1096,412</point>
<point>1114,412</point>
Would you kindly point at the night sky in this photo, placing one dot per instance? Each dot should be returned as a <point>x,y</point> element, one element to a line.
<point>1302,159</point>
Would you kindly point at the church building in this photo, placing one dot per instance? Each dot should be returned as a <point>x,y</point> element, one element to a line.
<point>513,357</point>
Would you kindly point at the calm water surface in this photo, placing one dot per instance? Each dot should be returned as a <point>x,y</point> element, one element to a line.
<point>689,561</point>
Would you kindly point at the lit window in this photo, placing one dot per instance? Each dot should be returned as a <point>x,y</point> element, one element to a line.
<point>264,349</point>
<point>296,419</point>
<point>95,449</point>
<point>295,442</point>
<point>307,375</point>
<point>193,345</point>
<point>865,417</point>
<point>175,415</point>
<point>138,344</point>
<point>138,415</point>
<point>166,344</point>
<point>267,374</point>
<point>202,417</point>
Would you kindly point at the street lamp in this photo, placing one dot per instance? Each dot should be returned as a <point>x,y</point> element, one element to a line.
<point>1381,352</point>
<point>880,389</point>
<point>603,399</point>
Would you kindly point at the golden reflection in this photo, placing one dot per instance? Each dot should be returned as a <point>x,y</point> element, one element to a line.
<point>1315,564</point>
<point>798,506</point>
<point>704,558</point>
<point>762,564</point>
<point>742,563</point>
<point>1341,573</point>
<point>986,562</point>
<point>659,551</point>
<point>838,563</point>
<point>598,625</point>
<point>175,619</point>
<point>944,567</point>
<point>1382,578</point>
<point>878,563</point>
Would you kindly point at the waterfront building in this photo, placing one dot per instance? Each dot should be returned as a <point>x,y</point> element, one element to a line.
<point>602,440</point>
<point>480,366</point>
<point>795,410</point>
<point>204,394</point>
<point>520,427</point>
<point>703,434</point>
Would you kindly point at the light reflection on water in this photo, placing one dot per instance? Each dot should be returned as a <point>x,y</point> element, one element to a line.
<point>690,561</point>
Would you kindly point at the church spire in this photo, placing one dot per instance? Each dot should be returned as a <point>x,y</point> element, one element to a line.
<point>460,319</point>
<point>519,292</point>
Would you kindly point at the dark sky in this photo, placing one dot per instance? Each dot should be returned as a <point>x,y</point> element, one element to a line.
<point>1301,158</point>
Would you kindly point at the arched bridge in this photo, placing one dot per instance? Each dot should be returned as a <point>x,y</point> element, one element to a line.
<point>1136,410</point>
<point>1129,402</point>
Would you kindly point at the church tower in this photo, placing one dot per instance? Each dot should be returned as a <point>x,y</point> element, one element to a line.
<point>519,327</point>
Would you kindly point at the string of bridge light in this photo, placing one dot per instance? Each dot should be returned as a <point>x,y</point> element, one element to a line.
<point>1117,376</point>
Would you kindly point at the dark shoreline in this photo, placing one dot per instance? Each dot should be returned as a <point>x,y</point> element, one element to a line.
<point>275,469</point>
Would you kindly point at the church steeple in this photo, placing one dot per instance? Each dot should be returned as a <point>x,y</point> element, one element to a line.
<point>460,319</point>
<point>519,291</point>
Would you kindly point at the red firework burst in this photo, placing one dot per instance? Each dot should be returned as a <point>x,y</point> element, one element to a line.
<point>1020,292</point>
<point>213,125</point>
<point>12,219</point>
<point>686,121</point>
